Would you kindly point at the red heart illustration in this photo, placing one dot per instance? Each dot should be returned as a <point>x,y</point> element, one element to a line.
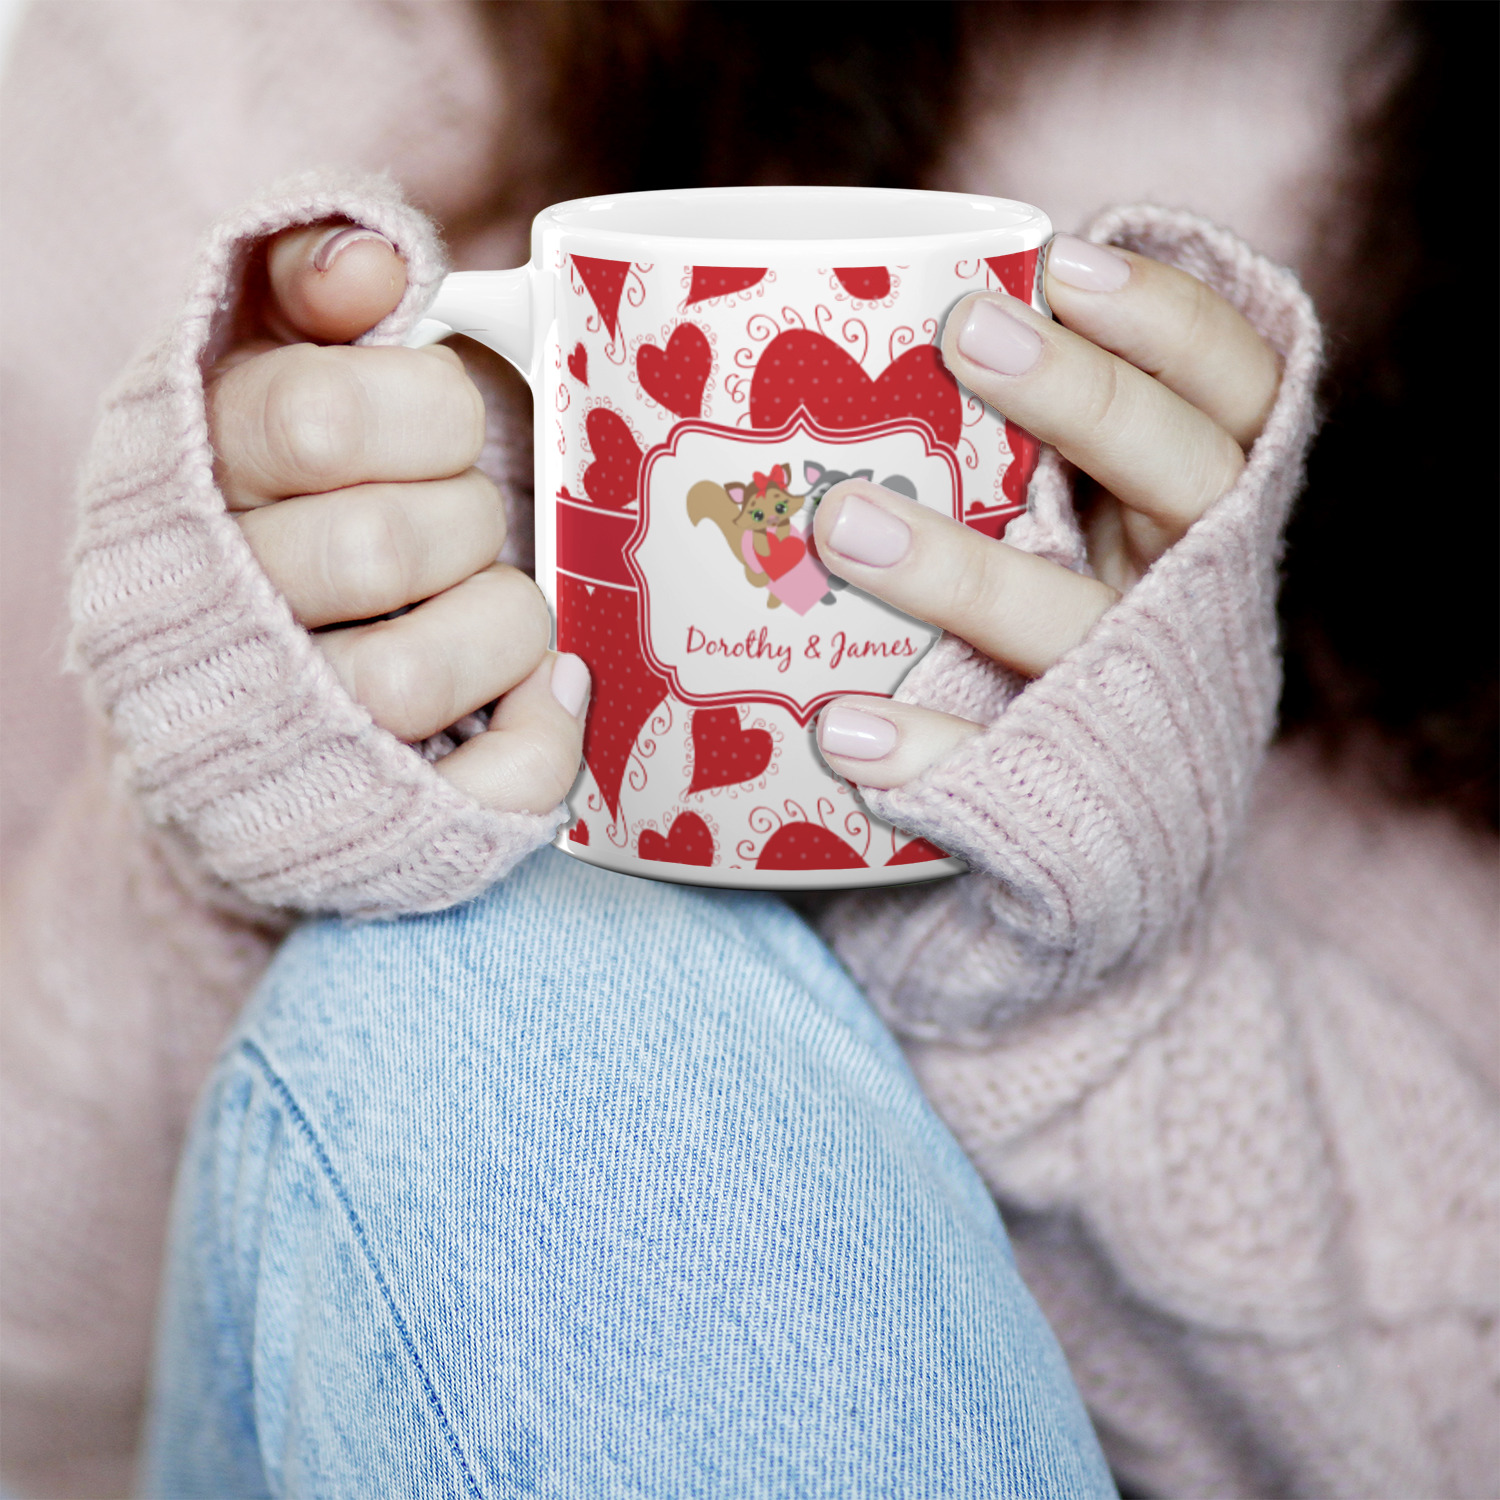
<point>870,283</point>
<point>688,842</point>
<point>801,368</point>
<point>722,281</point>
<point>611,479</point>
<point>917,852</point>
<point>601,628</point>
<point>675,376</point>
<point>1016,273</point>
<point>807,846</point>
<point>724,754</point>
<point>605,281</point>
<point>991,523</point>
<point>578,364</point>
<point>785,554</point>
<point>1024,452</point>
<point>579,833</point>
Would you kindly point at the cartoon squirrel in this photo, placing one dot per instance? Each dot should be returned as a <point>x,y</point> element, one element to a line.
<point>760,511</point>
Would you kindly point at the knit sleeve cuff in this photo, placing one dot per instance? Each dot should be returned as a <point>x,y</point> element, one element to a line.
<point>1106,794</point>
<point>228,724</point>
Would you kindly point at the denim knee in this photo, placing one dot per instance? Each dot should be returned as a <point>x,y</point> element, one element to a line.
<point>595,1186</point>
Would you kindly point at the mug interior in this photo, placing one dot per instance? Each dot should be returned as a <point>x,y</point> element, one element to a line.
<point>795,215</point>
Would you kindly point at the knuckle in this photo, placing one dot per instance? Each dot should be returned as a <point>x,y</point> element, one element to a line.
<point>370,559</point>
<point>545,766</point>
<point>443,355</point>
<point>1223,463</point>
<point>450,404</point>
<point>398,682</point>
<point>527,617</point>
<point>1101,397</point>
<point>974,585</point>
<point>1212,466</point>
<point>1198,307</point>
<point>493,521</point>
<point>312,418</point>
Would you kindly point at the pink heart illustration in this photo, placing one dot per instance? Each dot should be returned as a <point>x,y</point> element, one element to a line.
<point>578,364</point>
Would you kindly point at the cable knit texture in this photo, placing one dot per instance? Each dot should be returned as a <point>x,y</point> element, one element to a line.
<point>1218,1027</point>
<point>236,734</point>
<point>1224,1120</point>
<point>1103,802</point>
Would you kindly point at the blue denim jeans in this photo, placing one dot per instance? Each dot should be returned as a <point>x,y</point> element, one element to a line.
<point>594,1187</point>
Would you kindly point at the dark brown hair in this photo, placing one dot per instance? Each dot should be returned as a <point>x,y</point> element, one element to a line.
<point>1390,646</point>
<point>1389,602</point>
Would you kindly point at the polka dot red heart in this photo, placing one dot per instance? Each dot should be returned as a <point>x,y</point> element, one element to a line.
<point>800,368</point>
<point>688,842</point>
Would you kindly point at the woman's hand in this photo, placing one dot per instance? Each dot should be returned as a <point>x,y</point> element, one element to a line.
<point>1149,382</point>
<point>350,472</point>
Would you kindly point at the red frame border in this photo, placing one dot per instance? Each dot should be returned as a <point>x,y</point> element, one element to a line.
<point>800,421</point>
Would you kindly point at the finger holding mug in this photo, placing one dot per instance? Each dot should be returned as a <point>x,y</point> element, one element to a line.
<point>351,473</point>
<point>708,367</point>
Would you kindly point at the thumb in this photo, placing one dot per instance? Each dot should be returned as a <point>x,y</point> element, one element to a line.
<point>329,283</point>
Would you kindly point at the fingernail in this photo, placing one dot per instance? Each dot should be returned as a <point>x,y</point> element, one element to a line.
<point>998,341</point>
<point>860,736</point>
<point>1092,268</point>
<point>865,533</point>
<point>570,682</point>
<point>340,240</point>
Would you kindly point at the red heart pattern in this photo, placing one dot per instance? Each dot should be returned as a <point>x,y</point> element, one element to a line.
<point>868,283</point>
<point>688,842</point>
<point>991,523</point>
<point>604,281</point>
<point>722,281</point>
<point>1016,273</point>
<point>785,554</point>
<point>675,376</point>
<point>799,369</point>
<point>611,480</point>
<point>807,846</point>
<point>806,369</point>
<point>1024,450</point>
<point>724,754</point>
<point>601,628</point>
<point>917,852</point>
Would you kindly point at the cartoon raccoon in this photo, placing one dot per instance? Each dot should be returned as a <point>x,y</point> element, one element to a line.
<point>821,480</point>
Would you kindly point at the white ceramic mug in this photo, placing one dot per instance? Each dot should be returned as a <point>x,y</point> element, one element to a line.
<point>705,364</point>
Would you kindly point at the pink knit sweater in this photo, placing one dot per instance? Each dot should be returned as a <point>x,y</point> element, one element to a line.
<point>1219,1031</point>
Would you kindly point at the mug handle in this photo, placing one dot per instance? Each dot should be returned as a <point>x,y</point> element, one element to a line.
<point>493,307</point>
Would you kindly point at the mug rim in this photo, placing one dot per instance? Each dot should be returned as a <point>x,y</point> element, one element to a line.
<point>589,218</point>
